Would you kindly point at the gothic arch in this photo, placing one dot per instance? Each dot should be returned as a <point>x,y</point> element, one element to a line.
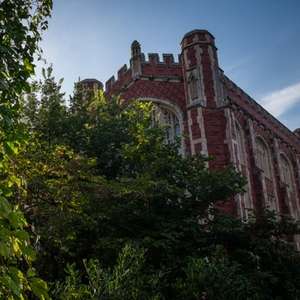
<point>240,139</point>
<point>263,160</point>
<point>285,162</point>
<point>288,179</point>
<point>244,203</point>
<point>263,156</point>
<point>174,109</point>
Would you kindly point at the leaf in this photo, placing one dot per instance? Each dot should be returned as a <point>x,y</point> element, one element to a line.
<point>39,288</point>
<point>29,67</point>
<point>11,285</point>
<point>5,208</point>
<point>15,246</point>
<point>4,250</point>
<point>16,219</point>
<point>29,253</point>
<point>11,148</point>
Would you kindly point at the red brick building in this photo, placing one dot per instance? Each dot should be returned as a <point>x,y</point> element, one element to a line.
<point>215,117</point>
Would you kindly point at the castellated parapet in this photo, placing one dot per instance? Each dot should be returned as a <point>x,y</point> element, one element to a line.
<point>140,66</point>
<point>215,117</point>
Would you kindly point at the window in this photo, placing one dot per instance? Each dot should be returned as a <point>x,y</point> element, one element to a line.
<point>263,158</point>
<point>241,160</point>
<point>243,200</point>
<point>286,173</point>
<point>168,120</point>
<point>193,85</point>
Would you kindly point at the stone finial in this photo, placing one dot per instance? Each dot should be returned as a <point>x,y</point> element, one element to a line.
<point>135,48</point>
<point>136,59</point>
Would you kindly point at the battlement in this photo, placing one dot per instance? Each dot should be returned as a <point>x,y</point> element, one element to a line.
<point>167,59</point>
<point>109,83</point>
<point>123,78</point>
<point>154,65</point>
<point>122,71</point>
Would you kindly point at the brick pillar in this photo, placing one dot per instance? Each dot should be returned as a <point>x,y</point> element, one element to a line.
<point>205,102</point>
<point>203,87</point>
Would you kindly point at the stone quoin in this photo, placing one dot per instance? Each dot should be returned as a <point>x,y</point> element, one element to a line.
<point>216,117</point>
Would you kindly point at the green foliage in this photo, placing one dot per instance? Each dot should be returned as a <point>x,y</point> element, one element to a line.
<point>124,185</point>
<point>44,108</point>
<point>109,180</point>
<point>122,212</point>
<point>128,279</point>
<point>21,24</point>
<point>215,277</point>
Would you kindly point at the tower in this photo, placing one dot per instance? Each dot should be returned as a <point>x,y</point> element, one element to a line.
<point>204,97</point>
<point>201,69</point>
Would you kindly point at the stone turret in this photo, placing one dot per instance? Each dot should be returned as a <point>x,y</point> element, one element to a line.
<point>90,84</point>
<point>201,68</point>
<point>136,59</point>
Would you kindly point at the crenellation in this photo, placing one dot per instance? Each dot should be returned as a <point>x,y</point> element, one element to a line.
<point>122,71</point>
<point>179,59</point>
<point>153,58</point>
<point>166,68</point>
<point>168,58</point>
<point>109,83</point>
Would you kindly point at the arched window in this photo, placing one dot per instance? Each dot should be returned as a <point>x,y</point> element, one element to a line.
<point>240,160</point>
<point>263,158</point>
<point>240,147</point>
<point>286,175</point>
<point>286,172</point>
<point>168,120</point>
<point>264,163</point>
<point>192,84</point>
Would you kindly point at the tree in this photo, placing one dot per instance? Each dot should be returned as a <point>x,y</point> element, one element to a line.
<point>22,22</point>
<point>124,186</point>
<point>45,108</point>
<point>127,280</point>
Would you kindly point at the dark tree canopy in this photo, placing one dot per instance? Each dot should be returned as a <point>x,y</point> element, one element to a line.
<point>123,197</point>
<point>115,212</point>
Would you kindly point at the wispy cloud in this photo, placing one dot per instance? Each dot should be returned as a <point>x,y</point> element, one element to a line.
<point>278,102</point>
<point>237,65</point>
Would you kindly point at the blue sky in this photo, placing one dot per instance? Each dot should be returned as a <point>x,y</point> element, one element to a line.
<point>258,41</point>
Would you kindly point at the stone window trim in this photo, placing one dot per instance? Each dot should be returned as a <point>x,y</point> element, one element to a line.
<point>174,109</point>
<point>244,203</point>
<point>239,137</point>
<point>288,180</point>
<point>192,80</point>
<point>263,157</point>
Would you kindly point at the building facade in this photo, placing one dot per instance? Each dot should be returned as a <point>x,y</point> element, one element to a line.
<point>215,117</point>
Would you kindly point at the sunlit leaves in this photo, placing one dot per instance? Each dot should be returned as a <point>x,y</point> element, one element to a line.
<point>127,280</point>
<point>21,25</point>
